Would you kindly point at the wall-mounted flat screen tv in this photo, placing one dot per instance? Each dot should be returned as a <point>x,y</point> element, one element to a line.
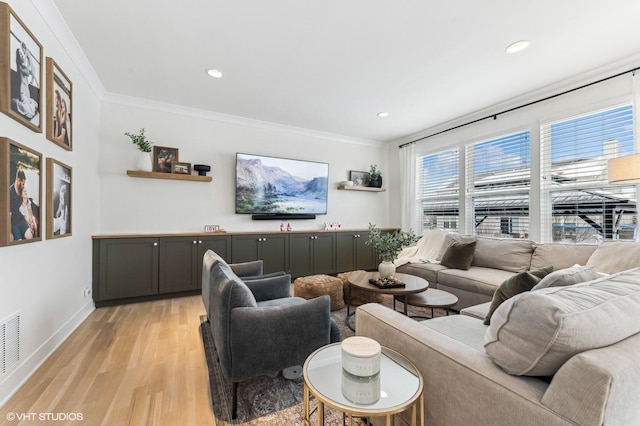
<point>272,185</point>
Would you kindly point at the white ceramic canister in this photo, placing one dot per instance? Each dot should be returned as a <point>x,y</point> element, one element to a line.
<point>361,356</point>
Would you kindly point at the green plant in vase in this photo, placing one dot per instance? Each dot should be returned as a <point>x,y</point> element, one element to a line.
<point>144,145</point>
<point>388,245</point>
<point>375,176</point>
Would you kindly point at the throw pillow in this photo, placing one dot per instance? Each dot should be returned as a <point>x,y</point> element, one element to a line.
<point>568,276</point>
<point>519,283</point>
<point>535,333</point>
<point>459,255</point>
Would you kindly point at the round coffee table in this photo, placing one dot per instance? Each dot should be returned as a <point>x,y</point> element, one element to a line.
<point>400,386</point>
<point>412,284</point>
<point>432,298</point>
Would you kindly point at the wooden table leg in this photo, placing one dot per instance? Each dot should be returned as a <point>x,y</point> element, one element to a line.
<point>422,409</point>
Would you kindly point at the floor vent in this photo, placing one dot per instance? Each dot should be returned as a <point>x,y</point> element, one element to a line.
<point>9,343</point>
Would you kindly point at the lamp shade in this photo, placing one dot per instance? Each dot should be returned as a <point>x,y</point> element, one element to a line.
<point>625,170</point>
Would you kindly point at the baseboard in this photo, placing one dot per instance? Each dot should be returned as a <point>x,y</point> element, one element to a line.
<point>15,379</point>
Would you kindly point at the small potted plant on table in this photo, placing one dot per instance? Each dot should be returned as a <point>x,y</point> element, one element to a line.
<point>387,246</point>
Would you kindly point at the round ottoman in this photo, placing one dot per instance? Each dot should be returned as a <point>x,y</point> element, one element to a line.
<point>318,285</point>
<point>359,296</point>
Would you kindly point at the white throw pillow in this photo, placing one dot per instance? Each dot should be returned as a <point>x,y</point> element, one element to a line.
<point>567,276</point>
<point>535,333</point>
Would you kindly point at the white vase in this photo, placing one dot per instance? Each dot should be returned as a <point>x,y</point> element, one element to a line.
<point>144,162</point>
<point>386,269</point>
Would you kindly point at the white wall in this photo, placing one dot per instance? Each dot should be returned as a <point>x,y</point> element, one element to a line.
<point>135,205</point>
<point>44,281</point>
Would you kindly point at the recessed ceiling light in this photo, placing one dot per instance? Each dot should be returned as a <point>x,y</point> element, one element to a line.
<point>383,114</point>
<point>517,46</point>
<point>214,73</point>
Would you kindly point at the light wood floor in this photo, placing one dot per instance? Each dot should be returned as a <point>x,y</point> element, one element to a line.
<point>137,364</point>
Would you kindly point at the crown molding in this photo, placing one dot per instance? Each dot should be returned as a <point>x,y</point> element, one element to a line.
<point>52,17</point>
<point>232,119</point>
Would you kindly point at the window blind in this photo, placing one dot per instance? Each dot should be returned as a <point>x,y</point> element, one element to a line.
<point>498,182</point>
<point>438,181</point>
<point>578,203</point>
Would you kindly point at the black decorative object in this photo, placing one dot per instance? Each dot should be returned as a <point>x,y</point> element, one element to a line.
<point>202,169</point>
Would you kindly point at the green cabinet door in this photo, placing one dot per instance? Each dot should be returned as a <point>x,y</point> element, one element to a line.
<point>301,255</point>
<point>346,251</point>
<point>126,267</point>
<point>178,256</point>
<point>324,253</point>
<point>365,254</point>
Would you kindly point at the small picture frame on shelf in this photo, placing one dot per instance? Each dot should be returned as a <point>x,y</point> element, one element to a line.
<point>181,168</point>
<point>163,157</point>
<point>359,178</point>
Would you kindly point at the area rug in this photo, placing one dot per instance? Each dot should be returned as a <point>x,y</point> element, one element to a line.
<point>266,400</point>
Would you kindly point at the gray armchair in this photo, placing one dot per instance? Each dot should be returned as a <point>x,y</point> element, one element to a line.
<point>245,271</point>
<point>258,328</point>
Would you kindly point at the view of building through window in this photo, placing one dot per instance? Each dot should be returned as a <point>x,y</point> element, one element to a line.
<point>578,204</point>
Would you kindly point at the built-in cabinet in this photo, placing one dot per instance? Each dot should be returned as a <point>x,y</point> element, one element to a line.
<point>273,249</point>
<point>312,254</point>
<point>127,269</point>
<point>352,253</point>
<point>133,268</point>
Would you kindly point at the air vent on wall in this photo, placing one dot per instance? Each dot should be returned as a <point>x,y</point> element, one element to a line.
<point>9,343</point>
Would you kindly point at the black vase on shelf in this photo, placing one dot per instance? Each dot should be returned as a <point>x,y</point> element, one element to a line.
<point>376,183</point>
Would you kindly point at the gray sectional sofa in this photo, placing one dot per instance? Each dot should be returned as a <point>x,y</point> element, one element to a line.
<point>562,355</point>
<point>495,260</point>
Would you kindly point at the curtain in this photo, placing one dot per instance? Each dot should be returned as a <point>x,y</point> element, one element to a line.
<point>408,188</point>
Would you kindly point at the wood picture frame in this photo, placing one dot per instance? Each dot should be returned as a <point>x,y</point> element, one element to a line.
<point>20,215</point>
<point>20,71</point>
<point>359,178</point>
<point>59,200</point>
<point>181,168</point>
<point>163,157</point>
<point>59,106</point>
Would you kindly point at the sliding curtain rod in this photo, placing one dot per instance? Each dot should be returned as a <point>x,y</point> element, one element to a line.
<point>495,116</point>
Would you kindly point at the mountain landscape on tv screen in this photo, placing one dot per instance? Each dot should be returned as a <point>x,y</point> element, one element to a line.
<point>267,189</point>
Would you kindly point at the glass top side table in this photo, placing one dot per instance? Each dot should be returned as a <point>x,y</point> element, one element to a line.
<point>400,387</point>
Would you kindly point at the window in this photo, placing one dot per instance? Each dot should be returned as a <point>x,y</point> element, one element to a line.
<point>579,205</point>
<point>438,190</point>
<point>499,178</point>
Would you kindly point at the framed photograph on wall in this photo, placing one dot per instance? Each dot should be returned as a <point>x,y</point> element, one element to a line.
<point>59,104</point>
<point>20,71</point>
<point>58,199</point>
<point>181,168</point>
<point>359,178</point>
<point>163,157</point>
<point>20,193</point>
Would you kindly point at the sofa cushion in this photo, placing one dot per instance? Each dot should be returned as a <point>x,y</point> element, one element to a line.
<point>428,271</point>
<point>615,256</point>
<point>568,276</point>
<point>461,328</point>
<point>459,255</point>
<point>508,254</point>
<point>561,255</point>
<point>536,332</point>
<point>519,283</point>
<point>476,279</point>
<point>476,311</point>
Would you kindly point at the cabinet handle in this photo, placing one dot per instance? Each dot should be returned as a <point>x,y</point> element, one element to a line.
<point>199,241</point>
<point>155,244</point>
<point>264,239</point>
<point>195,242</point>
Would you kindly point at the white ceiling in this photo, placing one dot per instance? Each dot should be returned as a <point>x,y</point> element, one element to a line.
<point>331,65</point>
